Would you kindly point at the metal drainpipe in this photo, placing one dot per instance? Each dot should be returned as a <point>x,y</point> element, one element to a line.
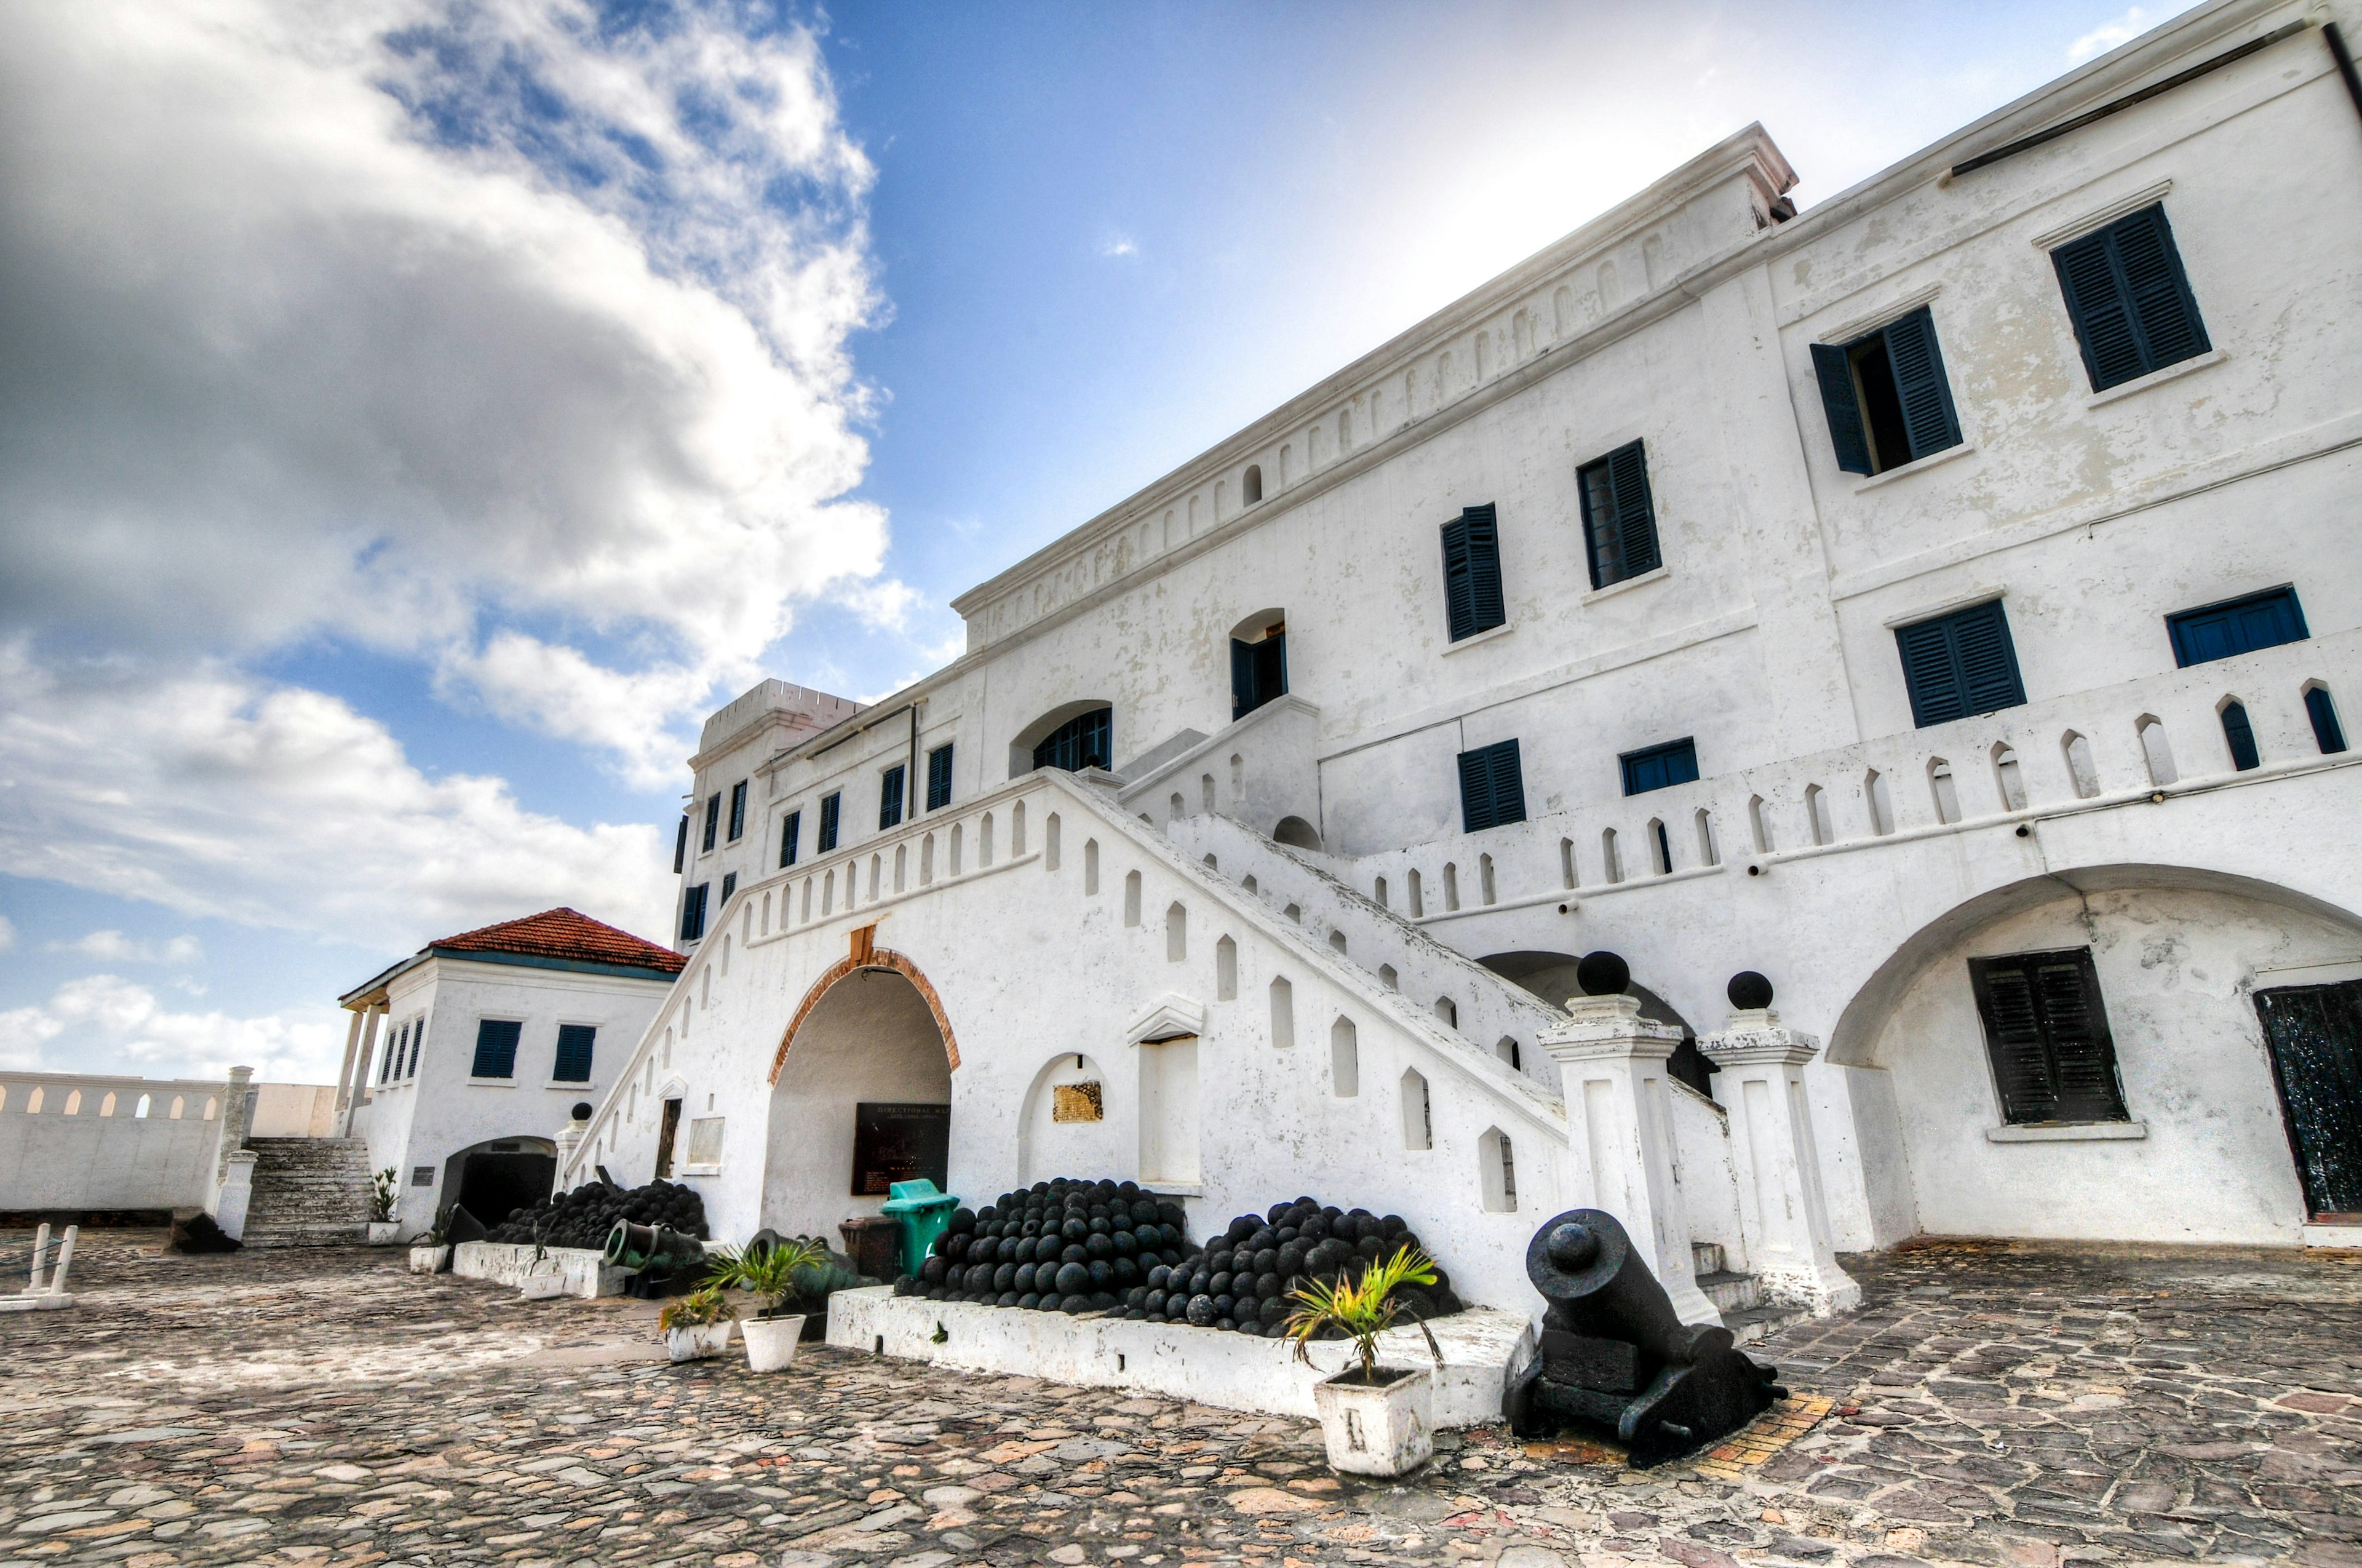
<point>2345,64</point>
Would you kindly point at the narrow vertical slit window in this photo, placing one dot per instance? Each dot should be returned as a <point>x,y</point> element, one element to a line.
<point>2240,736</point>
<point>739,811</point>
<point>2323,711</point>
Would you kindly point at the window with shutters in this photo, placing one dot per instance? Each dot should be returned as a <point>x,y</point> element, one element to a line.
<point>1258,669</point>
<point>1083,741</point>
<point>939,778</point>
<point>1888,400</point>
<point>2129,300</point>
<point>1959,664</point>
<point>831,807</point>
<point>729,885</point>
<point>791,833</point>
<point>712,824</point>
<point>1619,520</point>
<point>1660,767</point>
<point>739,811</point>
<point>574,1044</point>
<point>892,791</point>
<point>2046,1032</point>
<point>692,911</point>
<point>2237,627</point>
<point>680,845</point>
<point>1472,572</point>
<point>496,1048</point>
<point>1492,787</point>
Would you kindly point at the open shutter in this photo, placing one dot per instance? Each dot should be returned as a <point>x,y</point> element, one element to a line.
<point>2083,1062</point>
<point>1475,792</point>
<point>2013,1034</point>
<point>1509,784</point>
<point>1988,663</point>
<point>2164,315</point>
<point>1834,371</point>
<point>1484,566</point>
<point>680,845</point>
<point>2097,307</point>
<point>1930,673</point>
<point>1243,681</point>
<point>1636,516</point>
<point>1459,599</point>
<point>790,831</point>
<point>1928,418</point>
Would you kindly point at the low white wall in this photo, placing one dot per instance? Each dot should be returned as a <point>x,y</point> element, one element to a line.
<point>586,1272</point>
<point>1209,1367</point>
<point>105,1154</point>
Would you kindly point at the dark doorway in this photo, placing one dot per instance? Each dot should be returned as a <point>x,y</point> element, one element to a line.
<point>665,1136</point>
<point>2315,1033</point>
<point>494,1180</point>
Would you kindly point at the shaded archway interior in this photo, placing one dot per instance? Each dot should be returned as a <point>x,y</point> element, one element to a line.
<point>1551,977</point>
<point>494,1179</point>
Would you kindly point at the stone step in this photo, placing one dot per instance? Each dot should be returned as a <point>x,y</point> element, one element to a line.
<point>1705,1258</point>
<point>1731,1292</point>
<point>308,1192</point>
<point>1751,1324</point>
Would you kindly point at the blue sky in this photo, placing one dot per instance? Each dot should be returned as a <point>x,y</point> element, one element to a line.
<point>526,380</point>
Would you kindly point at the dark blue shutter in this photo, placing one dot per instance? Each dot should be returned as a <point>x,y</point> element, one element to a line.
<point>1086,740</point>
<point>2324,714</point>
<point>1959,664</point>
<point>891,792</point>
<point>939,778</point>
<point>692,913</point>
<point>2237,627</point>
<point>1636,515</point>
<point>1242,671</point>
<point>713,822</point>
<point>739,811</point>
<point>829,807</point>
<point>2128,298</point>
<point>1484,566</point>
<point>2241,737</point>
<point>1919,384</point>
<point>1459,595</point>
<point>1833,368</point>
<point>2048,1033</point>
<point>1492,787</point>
<point>790,831</point>
<point>496,1048</point>
<point>1660,767</point>
<point>680,845</point>
<point>729,885</point>
<point>574,1045</point>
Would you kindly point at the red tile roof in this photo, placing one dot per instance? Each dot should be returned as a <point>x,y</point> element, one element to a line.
<point>563,933</point>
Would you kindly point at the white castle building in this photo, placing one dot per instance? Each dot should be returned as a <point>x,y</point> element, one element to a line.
<point>1943,601</point>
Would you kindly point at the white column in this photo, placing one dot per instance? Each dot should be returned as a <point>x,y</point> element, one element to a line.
<point>231,1138</point>
<point>1780,1201</point>
<point>1611,1063</point>
<point>345,1073</point>
<point>360,1095</point>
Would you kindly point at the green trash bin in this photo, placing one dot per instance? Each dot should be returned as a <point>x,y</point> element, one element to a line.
<point>924,1209</point>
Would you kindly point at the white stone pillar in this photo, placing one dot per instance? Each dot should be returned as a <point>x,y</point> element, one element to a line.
<point>237,1192</point>
<point>360,1095</point>
<point>1611,1064</point>
<point>232,1136</point>
<point>345,1073</point>
<point>1780,1201</point>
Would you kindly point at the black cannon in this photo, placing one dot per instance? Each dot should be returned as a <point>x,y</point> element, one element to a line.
<point>1614,1356</point>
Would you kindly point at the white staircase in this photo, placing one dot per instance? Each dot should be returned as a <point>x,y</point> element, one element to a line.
<point>308,1192</point>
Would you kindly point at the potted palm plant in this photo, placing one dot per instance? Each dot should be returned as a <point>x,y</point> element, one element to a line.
<point>1378,1420</point>
<point>768,1273</point>
<point>697,1325</point>
<point>430,1250</point>
<point>384,1192</point>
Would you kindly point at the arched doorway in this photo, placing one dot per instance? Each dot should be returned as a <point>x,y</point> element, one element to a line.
<point>2080,1056</point>
<point>493,1179</point>
<point>861,1095</point>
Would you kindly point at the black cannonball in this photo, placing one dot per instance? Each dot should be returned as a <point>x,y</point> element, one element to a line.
<point>1314,1229</point>
<point>1005,1299</point>
<point>1266,1285</point>
<point>984,1248</point>
<point>1102,1273</point>
<point>932,1271</point>
<point>1370,1247</point>
<point>1221,1284</point>
<point>1099,1246</point>
<point>1125,1244</point>
<point>1022,1281</point>
<point>936,1293</point>
<point>1075,1228</point>
<point>1603,974</point>
<point>1048,1248</point>
<point>1073,1304</point>
<point>1100,1300</point>
<point>1273,1312</point>
<point>1199,1279</point>
<point>1100,1225</point>
<point>1749,990</point>
<point>1243,1227</point>
<point>1291,1258</point>
<point>1201,1311</point>
<point>1074,1252</point>
<point>1396,1224</point>
<point>1004,1279</point>
<point>1071,1277</point>
<point>1154,1300</point>
<point>1158,1276</point>
<point>902,1285</point>
<point>963,1221</point>
<point>986,1215</point>
<point>1127,1271</point>
<point>1172,1213</point>
<point>1136,1297</point>
<point>1267,1259</point>
<point>1144,1211</point>
<point>1028,1301</point>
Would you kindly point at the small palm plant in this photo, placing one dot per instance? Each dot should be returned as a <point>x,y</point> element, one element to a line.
<point>1364,1308</point>
<point>702,1307</point>
<point>768,1273</point>
<point>384,1189</point>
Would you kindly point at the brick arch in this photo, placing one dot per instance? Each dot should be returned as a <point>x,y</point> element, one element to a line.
<point>879,958</point>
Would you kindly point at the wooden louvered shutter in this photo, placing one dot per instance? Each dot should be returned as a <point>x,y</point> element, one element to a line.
<point>2096,305</point>
<point>1930,673</point>
<point>1509,784</point>
<point>1459,600</point>
<point>1928,419</point>
<point>1833,368</point>
<point>1475,792</point>
<point>790,831</point>
<point>2163,312</point>
<point>1484,566</point>
<point>2047,1032</point>
<point>1988,664</point>
<point>1636,516</point>
<point>2021,1066</point>
<point>1242,669</point>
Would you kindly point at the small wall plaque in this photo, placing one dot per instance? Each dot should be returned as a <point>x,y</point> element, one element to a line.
<point>1076,1102</point>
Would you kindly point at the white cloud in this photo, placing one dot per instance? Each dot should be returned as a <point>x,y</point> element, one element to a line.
<point>217,795</point>
<point>399,323</point>
<point>114,947</point>
<point>1117,246</point>
<point>2108,35</point>
<point>105,1023</point>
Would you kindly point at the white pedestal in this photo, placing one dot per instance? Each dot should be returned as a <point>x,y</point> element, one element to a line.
<point>236,1193</point>
<point>1781,1207</point>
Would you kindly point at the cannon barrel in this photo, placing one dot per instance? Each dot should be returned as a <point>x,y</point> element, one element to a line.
<point>1586,1268</point>
<point>651,1247</point>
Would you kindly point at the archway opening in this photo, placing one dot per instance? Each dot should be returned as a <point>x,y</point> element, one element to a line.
<point>1297,834</point>
<point>1072,735</point>
<point>495,1178</point>
<point>1550,975</point>
<point>861,1100</point>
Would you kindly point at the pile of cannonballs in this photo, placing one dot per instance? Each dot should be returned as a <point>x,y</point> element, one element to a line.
<point>1108,1247</point>
<point>1059,1246</point>
<point>583,1218</point>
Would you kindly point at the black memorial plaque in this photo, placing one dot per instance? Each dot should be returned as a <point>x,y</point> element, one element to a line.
<point>900,1142</point>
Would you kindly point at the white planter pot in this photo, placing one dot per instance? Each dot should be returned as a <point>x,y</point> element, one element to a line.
<point>771,1342</point>
<point>380,1231</point>
<point>1386,1429</point>
<point>543,1286</point>
<point>429,1260</point>
<point>699,1343</point>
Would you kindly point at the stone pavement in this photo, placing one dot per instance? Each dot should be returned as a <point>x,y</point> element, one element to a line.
<point>1992,1402</point>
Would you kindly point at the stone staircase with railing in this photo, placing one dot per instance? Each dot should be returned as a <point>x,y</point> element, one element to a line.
<point>308,1192</point>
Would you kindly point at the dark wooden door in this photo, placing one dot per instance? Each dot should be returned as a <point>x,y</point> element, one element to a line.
<point>2315,1033</point>
<point>666,1133</point>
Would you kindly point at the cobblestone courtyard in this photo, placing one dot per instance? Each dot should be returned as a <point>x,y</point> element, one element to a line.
<point>1992,1403</point>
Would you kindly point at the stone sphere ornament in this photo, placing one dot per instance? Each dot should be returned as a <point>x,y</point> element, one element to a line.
<point>1749,991</point>
<point>1603,974</point>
